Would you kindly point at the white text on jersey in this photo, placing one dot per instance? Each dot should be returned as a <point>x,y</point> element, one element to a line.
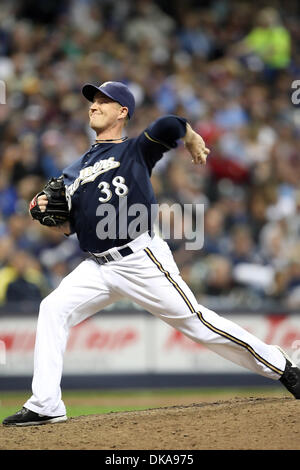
<point>90,173</point>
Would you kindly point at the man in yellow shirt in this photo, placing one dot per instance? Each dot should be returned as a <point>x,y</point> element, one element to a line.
<point>270,40</point>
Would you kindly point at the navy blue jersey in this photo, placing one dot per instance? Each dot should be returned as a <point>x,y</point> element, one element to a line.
<point>112,199</point>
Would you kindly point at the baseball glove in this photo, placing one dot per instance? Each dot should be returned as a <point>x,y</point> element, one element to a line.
<point>57,210</point>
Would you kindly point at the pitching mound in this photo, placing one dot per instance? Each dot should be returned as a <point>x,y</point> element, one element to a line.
<point>240,423</point>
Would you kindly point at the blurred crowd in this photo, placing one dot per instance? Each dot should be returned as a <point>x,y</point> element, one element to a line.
<point>227,66</point>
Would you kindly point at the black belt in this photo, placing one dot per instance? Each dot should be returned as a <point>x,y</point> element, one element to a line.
<point>103,259</point>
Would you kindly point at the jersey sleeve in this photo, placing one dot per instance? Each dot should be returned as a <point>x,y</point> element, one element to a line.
<point>160,137</point>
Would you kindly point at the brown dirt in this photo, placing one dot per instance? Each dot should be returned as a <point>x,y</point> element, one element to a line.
<point>271,423</point>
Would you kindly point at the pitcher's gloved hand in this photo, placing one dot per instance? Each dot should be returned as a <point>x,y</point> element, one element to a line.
<point>57,210</point>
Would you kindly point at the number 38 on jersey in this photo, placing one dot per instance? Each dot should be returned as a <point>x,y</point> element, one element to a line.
<point>118,186</point>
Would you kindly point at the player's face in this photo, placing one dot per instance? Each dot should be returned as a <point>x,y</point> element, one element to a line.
<point>104,113</point>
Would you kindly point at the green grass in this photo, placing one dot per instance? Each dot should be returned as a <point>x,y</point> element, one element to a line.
<point>73,411</point>
<point>10,402</point>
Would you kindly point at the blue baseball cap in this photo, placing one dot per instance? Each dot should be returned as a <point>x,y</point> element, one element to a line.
<point>117,91</point>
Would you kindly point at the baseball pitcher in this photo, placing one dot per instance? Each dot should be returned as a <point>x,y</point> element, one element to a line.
<point>96,198</point>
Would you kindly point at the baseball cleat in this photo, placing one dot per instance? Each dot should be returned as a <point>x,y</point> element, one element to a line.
<point>291,376</point>
<point>26,417</point>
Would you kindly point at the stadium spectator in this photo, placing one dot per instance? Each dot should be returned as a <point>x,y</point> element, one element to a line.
<point>21,279</point>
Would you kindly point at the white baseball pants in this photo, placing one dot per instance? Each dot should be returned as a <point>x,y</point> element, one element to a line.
<point>150,278</point>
